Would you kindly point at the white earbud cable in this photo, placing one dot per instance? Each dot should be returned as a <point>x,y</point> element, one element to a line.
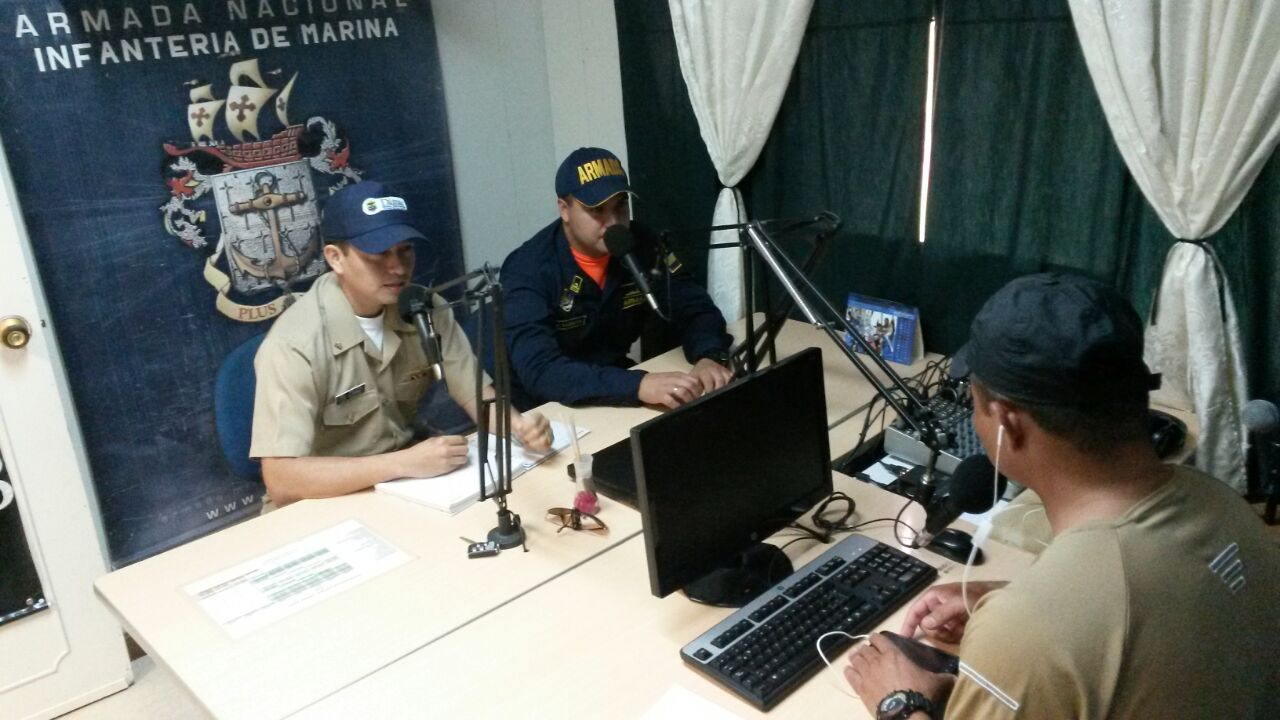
<point>840,684</point>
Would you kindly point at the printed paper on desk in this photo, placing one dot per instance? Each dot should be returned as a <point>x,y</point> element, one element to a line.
<point>457,490</point>
<point>269,587</point>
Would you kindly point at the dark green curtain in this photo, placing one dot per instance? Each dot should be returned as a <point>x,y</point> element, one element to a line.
<point>848,138</point>
<point>667,158</point>
<point>1026,176</point>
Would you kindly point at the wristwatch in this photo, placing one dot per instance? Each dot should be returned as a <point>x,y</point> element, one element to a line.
<point>901,704</point>
<point>718,355</point>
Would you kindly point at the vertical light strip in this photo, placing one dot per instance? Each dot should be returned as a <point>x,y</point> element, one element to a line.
<point>931,81</point>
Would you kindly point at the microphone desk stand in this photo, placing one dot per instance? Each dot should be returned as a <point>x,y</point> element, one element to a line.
<point>484,297</point>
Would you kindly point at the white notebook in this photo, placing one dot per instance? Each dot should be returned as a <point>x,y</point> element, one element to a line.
<point>457,490</point>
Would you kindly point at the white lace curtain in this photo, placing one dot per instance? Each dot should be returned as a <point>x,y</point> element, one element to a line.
<point>1191,91</point>
<point>736,57</point>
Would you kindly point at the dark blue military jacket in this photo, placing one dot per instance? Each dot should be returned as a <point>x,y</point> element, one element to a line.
<point>568,338</point>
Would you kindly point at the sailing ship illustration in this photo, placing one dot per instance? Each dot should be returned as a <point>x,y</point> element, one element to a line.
<point>263,188</point>
<point>244,102</point>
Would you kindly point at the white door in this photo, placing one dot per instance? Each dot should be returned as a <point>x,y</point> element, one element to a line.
<point>72,653</point>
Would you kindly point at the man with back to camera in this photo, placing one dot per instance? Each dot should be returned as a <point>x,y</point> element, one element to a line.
<point>340,374</point>
<point>573,311</point>
<point>1156,597</point>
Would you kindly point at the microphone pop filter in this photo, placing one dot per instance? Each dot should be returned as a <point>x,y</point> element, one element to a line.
<point>413,299</point>
<point>970,487</point>
<point>618,240</point>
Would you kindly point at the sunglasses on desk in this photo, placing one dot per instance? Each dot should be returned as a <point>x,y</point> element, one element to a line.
<point>575,519</point>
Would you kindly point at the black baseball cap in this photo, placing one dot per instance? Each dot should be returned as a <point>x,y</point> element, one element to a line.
<point>591,175</point>
<point>369,216</point>
<point>1058,339</point>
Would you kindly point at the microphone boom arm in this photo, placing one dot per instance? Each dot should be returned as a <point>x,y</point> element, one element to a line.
<point>821,314</point>
<point>801,290</point>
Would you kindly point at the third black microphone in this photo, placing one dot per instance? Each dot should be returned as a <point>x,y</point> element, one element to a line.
<point>968,490</point>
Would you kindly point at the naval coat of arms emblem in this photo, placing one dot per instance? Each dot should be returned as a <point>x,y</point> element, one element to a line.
<point>264,191</point>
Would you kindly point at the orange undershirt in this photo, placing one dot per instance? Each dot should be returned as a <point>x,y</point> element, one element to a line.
<point>594,267</point>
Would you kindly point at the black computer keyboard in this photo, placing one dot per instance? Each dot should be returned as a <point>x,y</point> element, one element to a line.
<point>767,648</point>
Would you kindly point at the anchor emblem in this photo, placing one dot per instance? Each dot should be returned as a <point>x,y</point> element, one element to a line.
<point>267,202</point>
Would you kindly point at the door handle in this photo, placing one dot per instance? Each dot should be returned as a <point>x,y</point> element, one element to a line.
<point>14,332</point>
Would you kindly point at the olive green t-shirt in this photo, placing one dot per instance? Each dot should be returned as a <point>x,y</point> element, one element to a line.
<point>1170,611</point>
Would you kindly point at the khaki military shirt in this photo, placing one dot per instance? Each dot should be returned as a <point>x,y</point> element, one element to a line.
<point>1166,612</point>
<point>324,389</point>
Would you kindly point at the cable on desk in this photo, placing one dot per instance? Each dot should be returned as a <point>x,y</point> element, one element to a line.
<point>812,534</point>
<point>897,520</point>
<point>869,417</point>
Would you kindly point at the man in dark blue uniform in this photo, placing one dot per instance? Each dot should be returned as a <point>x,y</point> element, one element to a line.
<point>573,312</point>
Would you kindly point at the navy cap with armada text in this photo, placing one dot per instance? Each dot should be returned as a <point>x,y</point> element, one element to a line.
<point>1058,339</point>
<point>369,216</point>
<point>591,175</point>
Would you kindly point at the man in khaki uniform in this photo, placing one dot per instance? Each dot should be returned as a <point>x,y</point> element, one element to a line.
<point>340,374</point>
<point>1157,595</point>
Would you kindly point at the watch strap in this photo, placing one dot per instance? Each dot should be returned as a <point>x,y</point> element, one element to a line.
<point>912,702</point>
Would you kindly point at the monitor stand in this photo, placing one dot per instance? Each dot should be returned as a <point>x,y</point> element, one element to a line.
<point>742,579</point>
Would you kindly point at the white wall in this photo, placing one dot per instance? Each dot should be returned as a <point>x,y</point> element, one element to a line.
<point>525,82</point>
<point>583,75</point>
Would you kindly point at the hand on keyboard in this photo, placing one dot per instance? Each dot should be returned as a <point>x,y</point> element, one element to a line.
<point>879,668</point>
<point>940,611</point>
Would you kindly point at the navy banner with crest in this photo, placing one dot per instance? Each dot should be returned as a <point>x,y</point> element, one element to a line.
<point>171,160</point>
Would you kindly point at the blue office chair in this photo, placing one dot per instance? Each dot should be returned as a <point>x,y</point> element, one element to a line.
<point>233,390</point>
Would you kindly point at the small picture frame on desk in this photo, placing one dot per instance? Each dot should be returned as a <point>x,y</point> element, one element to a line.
<point>889,328</point>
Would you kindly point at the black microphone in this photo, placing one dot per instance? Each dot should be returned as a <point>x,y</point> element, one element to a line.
<point>621,244</point>
<point>415,305</point>
<point>1262,418</point>
<point>968,490</point>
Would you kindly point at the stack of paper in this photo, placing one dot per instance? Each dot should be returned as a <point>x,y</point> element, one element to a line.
<point>457,490</point>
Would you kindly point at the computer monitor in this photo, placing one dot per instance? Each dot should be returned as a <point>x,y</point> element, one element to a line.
<point>717,476</point>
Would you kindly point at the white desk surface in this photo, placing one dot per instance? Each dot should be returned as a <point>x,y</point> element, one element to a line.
<point>279,668</point>
<point>291,663</point>
<point>596,643</point>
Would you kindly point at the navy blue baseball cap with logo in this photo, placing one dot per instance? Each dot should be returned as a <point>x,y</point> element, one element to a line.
<point>369,216</point>
<point>591,175</point>
<point>1058,339</point>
